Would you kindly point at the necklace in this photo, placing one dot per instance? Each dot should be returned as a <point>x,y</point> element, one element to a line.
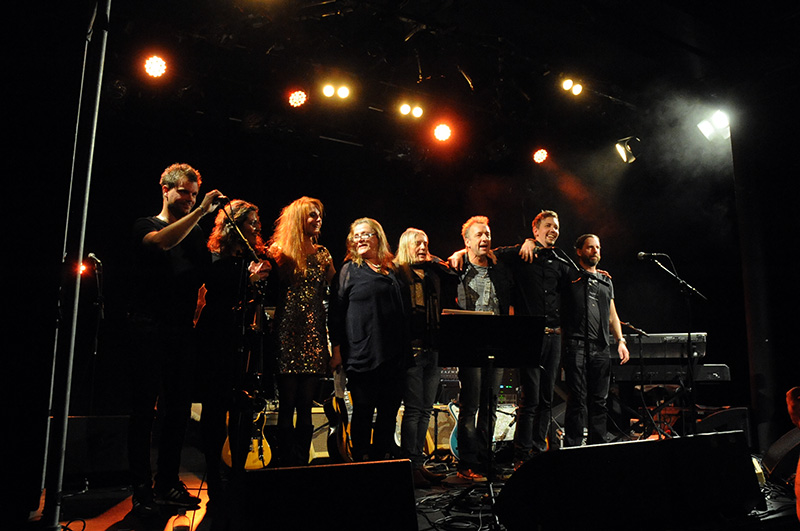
<point>375,267</point>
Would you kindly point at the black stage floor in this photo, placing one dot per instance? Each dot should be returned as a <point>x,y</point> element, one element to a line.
<point>333,497</point>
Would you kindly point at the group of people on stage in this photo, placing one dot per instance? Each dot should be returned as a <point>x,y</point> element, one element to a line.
<point>380,312</point>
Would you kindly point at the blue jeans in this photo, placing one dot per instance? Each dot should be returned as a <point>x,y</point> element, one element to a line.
<point>536,401</point>
<point>475,440</point>
<point>588,383</point>
<point>422,382</point>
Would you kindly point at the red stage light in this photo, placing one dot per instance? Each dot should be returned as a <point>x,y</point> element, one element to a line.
<point>540,156</point>
<point>155,66</point>
<point>297,98</point>
<point>442,132</point>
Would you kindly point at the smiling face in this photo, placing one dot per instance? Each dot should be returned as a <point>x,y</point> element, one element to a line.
<point>180,199</point>
<point>365,241</point>
<point>478,241</point>
<point>251,227</point>
<point>546,232</point>
<point>313,223</point>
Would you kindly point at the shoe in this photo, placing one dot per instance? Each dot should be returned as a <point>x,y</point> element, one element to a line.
<point>432,477</point>
<point>419,480</point>
<point>177,495</point>
<point>144,504</point>
<point>471,475</point>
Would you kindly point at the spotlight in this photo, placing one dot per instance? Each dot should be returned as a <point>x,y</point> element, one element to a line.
<point>343,92</point>
<point>571,86</point>
<point>540,156</point>
<point>717,126</point>
<point>328,91</point>
<point>297,98</point>
<point>624,149</point>
<point>155,66</point>
<point>442,132</point>
<point>406,109</point>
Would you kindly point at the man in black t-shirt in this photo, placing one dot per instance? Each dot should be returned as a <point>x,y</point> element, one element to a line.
<point>169,257</point>
<point>587,314</point>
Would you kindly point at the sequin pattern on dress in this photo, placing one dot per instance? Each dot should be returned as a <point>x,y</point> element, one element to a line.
<point>302,319</point>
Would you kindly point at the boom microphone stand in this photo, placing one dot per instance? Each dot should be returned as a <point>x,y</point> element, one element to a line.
<point>688,386</point>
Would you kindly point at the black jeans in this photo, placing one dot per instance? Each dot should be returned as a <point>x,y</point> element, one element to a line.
<point>588,381</point>
<point>536,402</point>
<point>161,365</point>
<point>474,441</point>
<point>377,392</point>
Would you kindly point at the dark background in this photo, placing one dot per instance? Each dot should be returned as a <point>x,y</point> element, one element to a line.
<point>652,70</point>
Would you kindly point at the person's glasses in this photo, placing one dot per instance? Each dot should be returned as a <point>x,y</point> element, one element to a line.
<point>362,236</point>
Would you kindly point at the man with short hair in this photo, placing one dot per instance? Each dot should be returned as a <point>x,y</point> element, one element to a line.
<point>169,259</point>
<point>484,286</point>
<point>588,311</point>
<point>537,272</point>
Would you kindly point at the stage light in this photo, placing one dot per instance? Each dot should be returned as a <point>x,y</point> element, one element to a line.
<point>297,98</point>
<point>328,91</point>
<point>343,92</point>
<point>717,126</point>
<point>540,156</point>
<point>571,86</point>
<point>82,269</point>
<point>442,132</point>
<point>406,109</point>
<point>155,66</point>
<point>624,149</point>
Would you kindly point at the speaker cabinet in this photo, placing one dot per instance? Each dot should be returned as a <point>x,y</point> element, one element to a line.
<point>780,461</point>
<point>353,496</point>
<point>634,485</point>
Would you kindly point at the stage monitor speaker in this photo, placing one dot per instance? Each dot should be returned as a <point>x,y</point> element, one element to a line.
<point>780,461</point>
<point>353,496</point>
<point>634,485</point>
<point>727,419</point>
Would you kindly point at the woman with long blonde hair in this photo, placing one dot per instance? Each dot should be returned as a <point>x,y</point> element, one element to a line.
<point>304,271</point>
<point>432,286</point>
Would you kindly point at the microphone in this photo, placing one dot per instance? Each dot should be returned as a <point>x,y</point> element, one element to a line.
<point>651,256</point>
<point>221,200</point>
<point>94,259</point>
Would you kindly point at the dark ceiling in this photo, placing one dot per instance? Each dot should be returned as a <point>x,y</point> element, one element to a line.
<point>497,64</point>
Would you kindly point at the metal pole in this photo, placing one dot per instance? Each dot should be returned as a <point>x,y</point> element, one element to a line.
<point>53,496</point>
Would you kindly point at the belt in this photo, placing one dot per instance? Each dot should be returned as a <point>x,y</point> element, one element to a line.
<point>551,331</point>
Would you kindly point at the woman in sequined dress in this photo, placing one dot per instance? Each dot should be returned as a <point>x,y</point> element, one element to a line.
<point>304,271</point>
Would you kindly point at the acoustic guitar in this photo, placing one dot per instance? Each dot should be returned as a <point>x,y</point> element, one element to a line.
<point>335,408</point>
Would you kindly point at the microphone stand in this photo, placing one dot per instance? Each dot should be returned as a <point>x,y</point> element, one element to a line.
<point>691,359</point>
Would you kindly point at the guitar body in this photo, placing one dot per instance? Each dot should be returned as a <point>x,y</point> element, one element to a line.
<point>339,445</point>
<point>453,409</point>
<point>259,453</point>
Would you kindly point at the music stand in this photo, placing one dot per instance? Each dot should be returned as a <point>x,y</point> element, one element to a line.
<point>484,340</point>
